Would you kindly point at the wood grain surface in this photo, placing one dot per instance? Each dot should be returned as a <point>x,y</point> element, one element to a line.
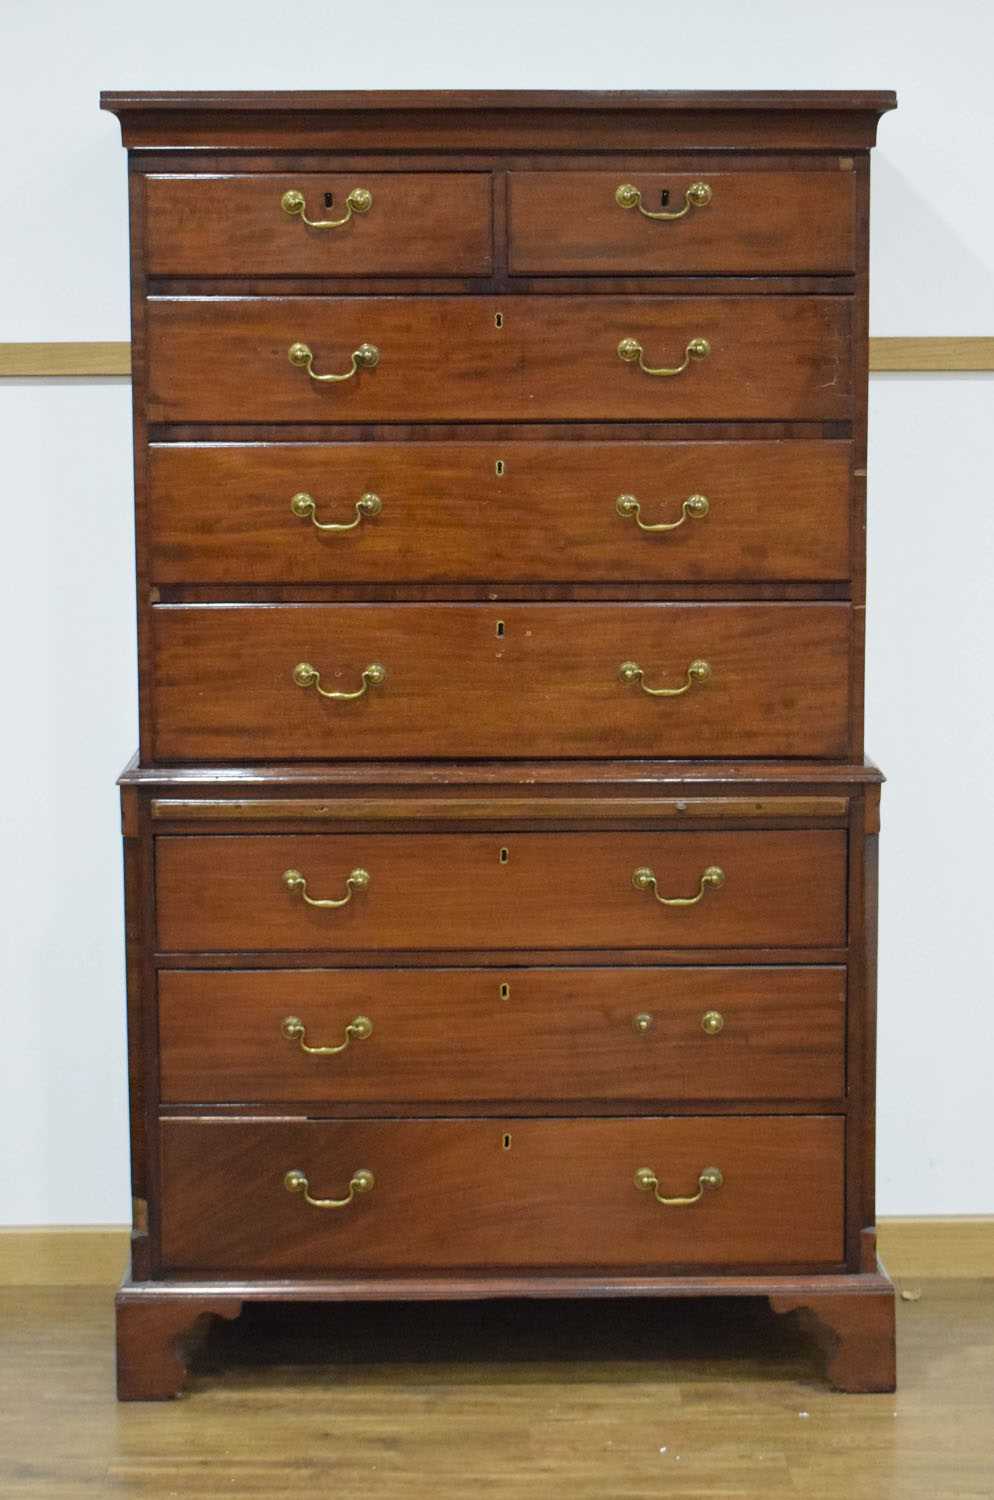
<point>477,680</point>
<point>471,1193</point>
<point>226,893</point>
<point>421,223</point>
<point>572,1399</point>
<point>516,511</point>
<point>756,222</point>
<point>461,1034</point>
<point>445,359</point>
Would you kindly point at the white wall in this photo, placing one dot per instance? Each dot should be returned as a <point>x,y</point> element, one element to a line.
<point>66,652</point>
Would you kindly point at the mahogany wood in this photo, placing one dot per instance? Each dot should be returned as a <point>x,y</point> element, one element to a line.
<point>646,811</point>
<point>420,223</point>
<point>529,680</point>
<point>516,511</point>
<point>858,1333</point>
<point>784,889</point>
<point>503,119</point>
<point>488,597</point>
<point>445,359</point>
<point>449,1034</point>
<point>471,1194</point>
<point>153,1336</point>
<point>756,222</point>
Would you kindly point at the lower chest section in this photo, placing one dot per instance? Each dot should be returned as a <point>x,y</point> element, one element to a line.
<point>447,1029</point>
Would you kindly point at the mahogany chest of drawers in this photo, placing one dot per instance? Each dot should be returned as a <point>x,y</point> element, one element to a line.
<point>500,851</point>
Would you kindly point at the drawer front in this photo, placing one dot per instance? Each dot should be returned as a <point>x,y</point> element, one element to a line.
<point>478,680</point>
<point>416,223</point>
<point>753,222</point>
<point>513,891</point>
<point>521,511</point>
<point>442,358</point>
<point>502,1193</point>
<point>477,1035</point>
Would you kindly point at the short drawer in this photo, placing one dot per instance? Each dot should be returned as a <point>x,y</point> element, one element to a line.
<point>241,682</point>
<point>448,1194</point>
<point>366,224</point>
<point>487,1035</point>
<point>521,511</point>
<point>696,222</point>
<point>485,358</point>
<point>484,891</point>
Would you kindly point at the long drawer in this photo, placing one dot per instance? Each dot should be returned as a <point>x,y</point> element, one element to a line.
<point>664,221</point>
<point>246,682</point>
<point>520,512</point>
<point>486,358</point>
<point>378,223</point>
<point>438,1194</point>
<point>246,892</point>
<point>455,1035</point>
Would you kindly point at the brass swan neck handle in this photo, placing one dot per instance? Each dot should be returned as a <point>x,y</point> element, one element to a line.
<point>698,195</point>
<point>304,506</point>
<point>359,201</point>
<point>358,880</point>
<point>644,879</point>
<point>709,1179</point>
<point>361,1181</point>
<point>632,352</point>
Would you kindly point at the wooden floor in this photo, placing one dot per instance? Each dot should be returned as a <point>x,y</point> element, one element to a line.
<point>606,1401</point>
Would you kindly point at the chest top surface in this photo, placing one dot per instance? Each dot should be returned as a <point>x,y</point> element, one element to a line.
<point>501,119</point>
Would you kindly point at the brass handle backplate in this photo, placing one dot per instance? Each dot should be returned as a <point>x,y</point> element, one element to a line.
<point>366,357</point>
<point>709,1179</point>
<point>304,506</point>
<point>295,882</point>
<point>632,352</point>
<point>361,1181</point>
<point>306,676</point>
<point>694,508</point>
<point>294,1030</point>
<point>698,195</point>
<point>698,671</point>
<point>359,201</point>
<point>644,879</point>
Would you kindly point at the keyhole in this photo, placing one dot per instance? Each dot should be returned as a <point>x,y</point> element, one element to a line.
<point>505,1143</point>
<point>329,200</point>
<point>499,468</point>
<point>500,630</point>
<point>498,320</point>
<point>503,856</point>
<point>664,197</point>
<point>505,992</point>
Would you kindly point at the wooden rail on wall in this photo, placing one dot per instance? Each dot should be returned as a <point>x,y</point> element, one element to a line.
<point>936,355</point>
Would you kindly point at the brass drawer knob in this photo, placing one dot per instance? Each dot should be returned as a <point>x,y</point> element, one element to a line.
<point>366,357</point>
<point>694,508</point>
<point>698,195</point>
<point>697,672</point>
<point>295,883</point>
<point>294,1030</point>
<point>306,676</point>
<point>632,352</point>
<point>643,1022</point>
<point>359,201</point>
<point>709,1180</point>
<point>712,1021</point>
<point>361,1181</point>
<point>644,880</point>
<point>303,505</point>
